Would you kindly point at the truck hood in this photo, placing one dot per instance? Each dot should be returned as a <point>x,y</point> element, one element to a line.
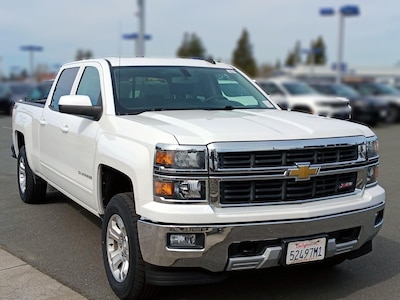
<point>201,127</point>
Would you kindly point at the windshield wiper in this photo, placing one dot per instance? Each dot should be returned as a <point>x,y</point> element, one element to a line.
<point>226,107</point>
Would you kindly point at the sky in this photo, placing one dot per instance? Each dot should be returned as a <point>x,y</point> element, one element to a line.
<point>62,27</point>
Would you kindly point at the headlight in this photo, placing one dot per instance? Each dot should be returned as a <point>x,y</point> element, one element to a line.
<point>180,174</point>
<point>179,190</point>
<point>369,150</point>
<point>372,153</point>
<point>372,148</point>
<point>373,173</point>
<point>180,157</point>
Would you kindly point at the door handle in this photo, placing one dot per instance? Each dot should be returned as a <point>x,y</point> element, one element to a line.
<point>42,121</point>
<point>65,128</point>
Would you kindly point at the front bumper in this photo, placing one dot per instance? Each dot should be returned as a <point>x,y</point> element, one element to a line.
<point>346,232</point>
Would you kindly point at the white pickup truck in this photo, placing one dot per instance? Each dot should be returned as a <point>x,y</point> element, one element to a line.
<point>196,173</point>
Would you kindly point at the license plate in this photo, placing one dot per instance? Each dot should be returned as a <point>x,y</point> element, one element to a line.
<point>305,251</point>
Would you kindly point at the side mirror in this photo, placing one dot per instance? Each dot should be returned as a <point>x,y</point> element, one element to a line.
<point>79,105</point>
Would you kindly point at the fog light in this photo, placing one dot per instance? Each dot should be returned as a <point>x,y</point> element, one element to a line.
<point>378,218</point>
<point>185,240</point>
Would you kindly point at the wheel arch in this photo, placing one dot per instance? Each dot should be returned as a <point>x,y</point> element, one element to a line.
<point>112,182</point>
<point>19,141</point>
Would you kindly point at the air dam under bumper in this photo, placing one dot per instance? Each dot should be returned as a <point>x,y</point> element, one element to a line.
<point>362,224</point>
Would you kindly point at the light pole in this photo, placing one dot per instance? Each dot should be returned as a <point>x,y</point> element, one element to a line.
<point>140,37</point>
<point>135,36</point>
<point>1,69</point>
<point>344,11</point>
<point>31,49</point>
<point>140,44</point>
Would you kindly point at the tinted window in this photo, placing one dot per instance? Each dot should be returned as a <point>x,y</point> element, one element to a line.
<point>63,86</point>
<point>20,88</point>
<point>298,88</point>
<point>40,92</point>
<point>90,85</point>
<point>271,88</point>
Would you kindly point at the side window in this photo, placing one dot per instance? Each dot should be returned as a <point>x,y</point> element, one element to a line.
<point>90,85</point>
<point>63,86</point>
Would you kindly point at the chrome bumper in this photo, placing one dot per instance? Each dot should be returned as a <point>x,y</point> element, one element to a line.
<point>218,238</point>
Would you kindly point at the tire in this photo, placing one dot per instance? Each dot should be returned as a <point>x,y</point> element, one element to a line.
<point>122,258</point>
<point>32,189</point>
<point>393,114</point>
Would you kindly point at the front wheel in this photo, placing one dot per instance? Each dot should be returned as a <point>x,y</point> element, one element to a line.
<point>393,114</point>
<point>122,258</point>
<point>32,189</point>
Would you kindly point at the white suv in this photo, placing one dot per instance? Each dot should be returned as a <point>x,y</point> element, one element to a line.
<point>295,95</point>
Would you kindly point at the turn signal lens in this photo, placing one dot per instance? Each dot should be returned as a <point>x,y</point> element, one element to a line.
<point>164,189</point>
<point>165,158</point>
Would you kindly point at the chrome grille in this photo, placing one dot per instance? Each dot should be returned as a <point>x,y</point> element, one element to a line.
<point>248,192</point>
<point>277,158</point>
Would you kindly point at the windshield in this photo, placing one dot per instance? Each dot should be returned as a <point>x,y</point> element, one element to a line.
<point>21,88</point>
<point>344,91</point>
<point>383,89</point>
<point>146,88</point>
<point>340,90</point>
<point>3,90</point>
<point>299,88</point>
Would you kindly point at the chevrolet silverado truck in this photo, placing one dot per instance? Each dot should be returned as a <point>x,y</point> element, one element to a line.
<point>196,173</point>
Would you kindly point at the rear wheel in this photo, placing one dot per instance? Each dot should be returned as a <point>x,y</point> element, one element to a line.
<point>32,189</point>
<point>122,258</point>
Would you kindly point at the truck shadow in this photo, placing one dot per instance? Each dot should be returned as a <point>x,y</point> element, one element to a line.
<point>53,196</point>
<point>348,280</point>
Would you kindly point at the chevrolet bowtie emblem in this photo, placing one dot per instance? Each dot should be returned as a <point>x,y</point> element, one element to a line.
<point>303,172</point>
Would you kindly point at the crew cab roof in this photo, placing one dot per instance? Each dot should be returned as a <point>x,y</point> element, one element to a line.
<point>145,61</point>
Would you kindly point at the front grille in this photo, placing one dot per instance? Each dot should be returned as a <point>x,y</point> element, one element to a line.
<point>275,191</point>
<point>278,158</point>
<point>337,104</point>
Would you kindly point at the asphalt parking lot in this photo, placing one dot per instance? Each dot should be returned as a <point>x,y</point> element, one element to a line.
<point>62,240</point>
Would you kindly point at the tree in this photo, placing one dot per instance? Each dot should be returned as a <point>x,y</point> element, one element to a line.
<point>290,60</point>
<point>317,53</point>
<point>294,57</point>
<point>83,54</point>
<point>278,65</point>
<point>243,55</point>
<point>191,47</point>
<point>265,70</point>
